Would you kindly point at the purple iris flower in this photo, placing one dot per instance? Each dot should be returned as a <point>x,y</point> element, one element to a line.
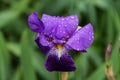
<point>56,35</point>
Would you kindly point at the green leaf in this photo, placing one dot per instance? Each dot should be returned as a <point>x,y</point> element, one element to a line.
<point>38,62</point>
<point>110,27</point>
<point>82,66</point>
<point>7,16</point>
<point>17,74</point>
<point>4,60</point>
<point>99,74</point>
<point>94,55</point>
<point>92,14</point>
<point>26,58</point>
<point>116,59</point>
<point>14,48</point>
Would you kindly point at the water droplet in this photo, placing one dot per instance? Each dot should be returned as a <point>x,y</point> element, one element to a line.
<point>67,36</point>
<point>64,32</point>
<point>59,25</point>
<point>77,48</point>
<point>72,17</point>
<point>86,27</point>
<point>63,19</point>
<point>65,25</point>
<point>89,38</point>
<point>60,31</point>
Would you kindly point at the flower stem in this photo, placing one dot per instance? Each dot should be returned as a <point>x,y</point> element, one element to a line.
<point>59,75</point>
<point>64,75</point>
<point>109,73</point>
<point>108,69</point>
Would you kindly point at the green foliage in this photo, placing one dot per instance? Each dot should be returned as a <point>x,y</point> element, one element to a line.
<point>20,58</point>
<point>4,60</point>
<point>26,58</point>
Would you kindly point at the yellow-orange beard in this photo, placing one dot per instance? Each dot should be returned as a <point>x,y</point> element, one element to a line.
<point>59,46</point>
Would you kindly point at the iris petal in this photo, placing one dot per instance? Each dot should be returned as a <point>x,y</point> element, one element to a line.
<point>60,27</point>
<point>59,63</point>
<point>44,49</point>
<point>35,23</point>
<point>82,39</point>
<point>44,41</point>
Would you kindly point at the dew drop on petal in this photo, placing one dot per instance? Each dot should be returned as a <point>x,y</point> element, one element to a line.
<point>72,17</point>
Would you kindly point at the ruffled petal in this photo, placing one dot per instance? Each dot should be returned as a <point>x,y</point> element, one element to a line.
<point>44,49</point>
<point>82,39</point>
<point>62,63</point>
<point>49,22</point>
<point>60,27</point>
<point>35,23</point>
<point>44,41</point>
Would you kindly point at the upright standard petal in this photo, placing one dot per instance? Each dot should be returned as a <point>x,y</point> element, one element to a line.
<point>56,62</point>
<point>82,39</point>
<point>44,49</point>
<point>35,23</point>
<point>60,27</point>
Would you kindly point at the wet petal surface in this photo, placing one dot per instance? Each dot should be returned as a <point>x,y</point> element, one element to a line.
<point>44,41</point>
<point>82,39</point>
<point>35,23</point>
<point>60,27</point>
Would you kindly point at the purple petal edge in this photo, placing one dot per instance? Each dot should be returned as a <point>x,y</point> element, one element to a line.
<point>35,24</point>
<point>63,64</point>
<point>60,27</point>
<point>82,39</point>
<point>44,49</point>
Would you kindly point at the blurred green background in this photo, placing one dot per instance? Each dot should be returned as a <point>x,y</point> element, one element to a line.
<point>20,58</point>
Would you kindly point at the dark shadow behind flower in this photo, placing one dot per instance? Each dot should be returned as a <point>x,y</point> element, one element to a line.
<point>56,36</point>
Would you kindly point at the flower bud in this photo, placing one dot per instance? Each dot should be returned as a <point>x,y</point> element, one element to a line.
<point>108,51</point>
<point>119,45</point>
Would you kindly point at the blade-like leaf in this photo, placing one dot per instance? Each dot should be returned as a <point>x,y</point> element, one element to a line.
<point>38,62</point>
<point>4,59</point>
<point>17,74</point>
<point>99,74</point>
<point>26,58</point>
